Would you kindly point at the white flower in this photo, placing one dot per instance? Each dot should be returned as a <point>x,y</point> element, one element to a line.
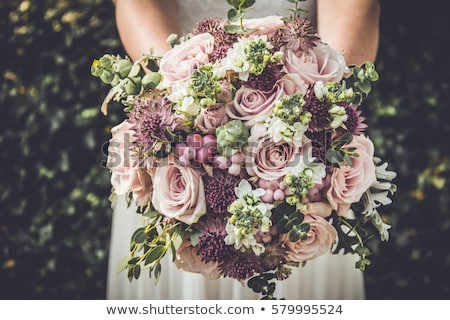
<point>279,130</point>
<point>244,188</point>
<point>236,59</point>
<point>338,116</point>
<point>183,102</point>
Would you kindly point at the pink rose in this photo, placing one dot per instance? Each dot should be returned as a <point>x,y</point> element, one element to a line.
<point>266,25</point>
<point>321,63</point>
<point>188,260</point>
<point>252,106</point>
<point>121,159</point>
<point>321,209</point>
<point>348,184</point>
<point>179,63</point>
<point>271,160</point>
<point>321,237</point>
<point>141,186</point>
<point>179,192</point>
<point>211,118</point>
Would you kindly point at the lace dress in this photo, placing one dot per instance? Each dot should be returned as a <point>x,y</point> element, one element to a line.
<point>327,277</point>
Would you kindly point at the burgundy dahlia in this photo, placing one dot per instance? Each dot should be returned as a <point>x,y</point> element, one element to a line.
<point>211,243</point>
<point>354,123</point>
<point>267,79</point>
<point>321,142</point>
<point>151,116</point>
<point>319,111</point>
<point>241,266</point>
<point>219,191</point>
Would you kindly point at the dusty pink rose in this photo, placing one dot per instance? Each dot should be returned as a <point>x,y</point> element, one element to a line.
<point>252,106</point>
<point>179,63</point>
<point>188,260</point>
<point>321,63</point>
<point>211,118</point>
<point>271,160</point>
<point>321,237</point>
<point>348,184</point>
<point>121,159</point>
<point>141,186</point>
<point>179,192</point>
<point>266,25</point>
<point>321,209</point>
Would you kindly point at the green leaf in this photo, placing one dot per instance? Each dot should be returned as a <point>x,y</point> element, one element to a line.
<point>151,80</point>
<point>233,15</point>
<point>137,271</point>
<point>248,3</point>
<point>140,236</point>
<point>132,86</point>
<point>130,274</point>
<point>152,65</point>
<point>123,68</point>
<point>334,156</point>
<point>282,226</point>
<point>157,273</point>
<point>232,29</point>
<point>135,69</point>
<point>365,86</point>
<point>107,76</point>
<point>156,254</point>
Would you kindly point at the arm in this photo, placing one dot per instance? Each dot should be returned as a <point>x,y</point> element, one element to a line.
<point>351,26</point>
<point>145,24</point>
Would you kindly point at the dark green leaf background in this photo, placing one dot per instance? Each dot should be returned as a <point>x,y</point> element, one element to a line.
<point>54,213</point>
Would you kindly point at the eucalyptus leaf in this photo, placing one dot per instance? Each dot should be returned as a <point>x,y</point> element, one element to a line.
<point>157,273</point>
<point>232,29</point>
<point>156,253</point>
<point>233,15</point>
<point>137,271</point>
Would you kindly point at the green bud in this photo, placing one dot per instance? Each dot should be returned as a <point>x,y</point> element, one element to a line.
<point>123,68</point>
<point>107,76</point>
<point>151,80</point>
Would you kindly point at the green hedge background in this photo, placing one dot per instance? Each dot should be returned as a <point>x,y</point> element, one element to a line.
<point>54,213</point>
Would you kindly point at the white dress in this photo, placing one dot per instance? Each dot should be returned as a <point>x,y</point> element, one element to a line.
<point>327,277</point>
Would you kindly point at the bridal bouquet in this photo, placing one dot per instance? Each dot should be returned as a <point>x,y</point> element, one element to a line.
<point>243,148</point>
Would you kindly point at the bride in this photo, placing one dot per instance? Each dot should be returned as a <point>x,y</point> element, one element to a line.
<point>350,26</point>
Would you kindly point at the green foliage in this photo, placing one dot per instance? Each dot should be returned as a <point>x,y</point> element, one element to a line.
<point>231,137</point>
<point>55,215</point>
<point>407,113</point>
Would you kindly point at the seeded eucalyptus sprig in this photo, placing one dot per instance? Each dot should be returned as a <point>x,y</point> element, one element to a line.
<point>361,80</point>
<point>128,79</point>
<point>236,14</point>
<point>353,234</point>
<point>290,221</point>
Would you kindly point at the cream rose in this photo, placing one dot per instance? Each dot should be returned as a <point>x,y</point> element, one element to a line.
<point>179,192</point>
<point>322,63</point>
<point>348,183</point>
<point>141,186</point>
<point>211,118</point>
<point>188,260</point>
<point>266,25</point>
<point>179,63</point>
<point>252,106</point>
<point>321,237</point>
<point>121,159</point>
<point>271,160</point>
